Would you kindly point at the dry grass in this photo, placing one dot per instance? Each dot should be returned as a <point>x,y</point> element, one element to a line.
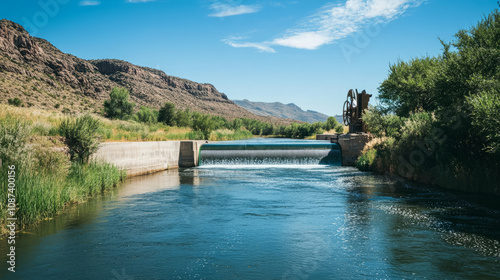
<point>46,123</point>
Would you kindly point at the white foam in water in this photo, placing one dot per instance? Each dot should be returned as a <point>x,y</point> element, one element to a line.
<point>264,166</point>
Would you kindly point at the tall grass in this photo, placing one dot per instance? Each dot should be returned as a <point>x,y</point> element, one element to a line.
<point>45,123</point>
<point>46,181</point>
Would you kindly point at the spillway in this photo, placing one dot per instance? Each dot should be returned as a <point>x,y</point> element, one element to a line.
<point>262,152</point>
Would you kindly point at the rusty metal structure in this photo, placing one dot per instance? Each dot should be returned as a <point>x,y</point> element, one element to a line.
<point>353,109</point>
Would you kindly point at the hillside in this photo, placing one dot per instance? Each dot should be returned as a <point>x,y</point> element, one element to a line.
<point>42,76</point>
<point>280,110</point>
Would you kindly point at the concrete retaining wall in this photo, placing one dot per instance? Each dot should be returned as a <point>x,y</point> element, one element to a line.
<point>147,157</point>
<point>351,145</point>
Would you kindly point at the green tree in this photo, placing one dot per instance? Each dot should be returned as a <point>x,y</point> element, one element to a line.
<point>203,123</point>
<point>183,118</point>
<point>167,114</point>
<point>118,105</point>
<point>146,115</point>
<point>411,86</point>
<point>81,137</point>
<point>332,123</point>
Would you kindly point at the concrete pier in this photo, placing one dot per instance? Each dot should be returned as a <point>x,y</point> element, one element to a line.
<point>139,158</point>
<point>351,145</point>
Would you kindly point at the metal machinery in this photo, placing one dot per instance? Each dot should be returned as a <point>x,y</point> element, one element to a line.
<point>353,109</point>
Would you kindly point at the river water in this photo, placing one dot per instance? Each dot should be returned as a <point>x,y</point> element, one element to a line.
<point>267,222</point>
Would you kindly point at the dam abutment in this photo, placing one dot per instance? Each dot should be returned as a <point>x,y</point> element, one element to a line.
<point>139,158</point>
<point>351,145</point>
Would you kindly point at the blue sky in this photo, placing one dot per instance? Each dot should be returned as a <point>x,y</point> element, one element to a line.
<point>305,52</point>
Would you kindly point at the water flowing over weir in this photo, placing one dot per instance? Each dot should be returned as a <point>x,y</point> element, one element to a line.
<point>265,152</point>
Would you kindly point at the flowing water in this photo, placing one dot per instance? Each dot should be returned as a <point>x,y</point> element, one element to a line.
<point>267,222</point>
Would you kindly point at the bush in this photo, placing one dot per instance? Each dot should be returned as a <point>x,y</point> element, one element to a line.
<point>382,125</point>
<point>485,115</point>
<point>15,102</point>
<point>14,135</point>
<point>81,137</point>
<point>118,106</point>
<point>146,115</point>
<point>332,123</point>
<point>183,118</point>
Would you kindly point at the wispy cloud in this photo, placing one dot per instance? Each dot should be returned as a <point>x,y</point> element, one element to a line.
<point>263,47</point>
<point>90,3</point>
<point>226,10</point>
<point>334,22</point>
<point>139,1</point>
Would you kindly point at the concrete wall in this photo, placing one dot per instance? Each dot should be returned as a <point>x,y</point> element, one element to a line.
<point>148,157</point>
<point>351,145</point>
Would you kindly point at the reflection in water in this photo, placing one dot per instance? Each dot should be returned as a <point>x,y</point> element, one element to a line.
<point>166,180</point>
<point>307,222</point>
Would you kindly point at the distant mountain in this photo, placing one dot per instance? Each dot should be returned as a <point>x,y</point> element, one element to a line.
<point>42,76</point>
<point>280,110</point>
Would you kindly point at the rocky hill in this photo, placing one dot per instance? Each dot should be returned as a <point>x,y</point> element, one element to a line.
<point>42,76</point>
<point>280,110</point>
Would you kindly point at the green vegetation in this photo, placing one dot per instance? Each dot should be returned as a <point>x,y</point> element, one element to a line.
<point>15,102</point>
<point>211,127</point>
<point>46,179</point>
<point>167,114</point>
<point>81,137</point>
<point>118,106</point>
<point>439,116</point>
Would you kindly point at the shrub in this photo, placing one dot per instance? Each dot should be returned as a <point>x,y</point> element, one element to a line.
<point>14,135</point>
<point>332,123</point>
<point>118,106</point>
<point>183,118</point>
<point>485,115</point>
<point>15,102</point>
<point>382,125</point>
<point>81,137</point>
<point>146,115</point>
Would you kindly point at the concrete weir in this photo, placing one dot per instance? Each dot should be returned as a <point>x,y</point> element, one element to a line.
<point>139,158</point>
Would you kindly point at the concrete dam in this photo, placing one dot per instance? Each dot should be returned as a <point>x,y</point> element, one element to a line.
<point>139,158</point>
<point>270,152</point>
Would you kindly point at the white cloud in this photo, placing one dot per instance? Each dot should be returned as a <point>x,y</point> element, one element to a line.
<point>226,10</point>
<point>90,3</point>
<point>139,1</point>
<point>336,21</point>
<point>263,47</point>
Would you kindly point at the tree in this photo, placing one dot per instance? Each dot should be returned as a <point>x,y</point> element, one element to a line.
<point>167,114</point>
<point>146,115</point>
<point>183,118</point>
<point>332,123</point>
<point>412,86</point>
<point>118,106</point>
<point>81,137</point>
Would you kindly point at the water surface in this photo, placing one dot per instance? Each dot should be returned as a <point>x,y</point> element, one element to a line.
<point>267,222</point>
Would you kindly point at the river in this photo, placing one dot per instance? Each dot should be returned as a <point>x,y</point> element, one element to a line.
<point>267,222</point>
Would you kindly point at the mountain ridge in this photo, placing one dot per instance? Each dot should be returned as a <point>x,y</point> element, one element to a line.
<point>42,76</point>
<point>281,110</point>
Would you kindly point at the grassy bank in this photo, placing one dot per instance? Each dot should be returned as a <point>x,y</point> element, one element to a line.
<point>45,179</point>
